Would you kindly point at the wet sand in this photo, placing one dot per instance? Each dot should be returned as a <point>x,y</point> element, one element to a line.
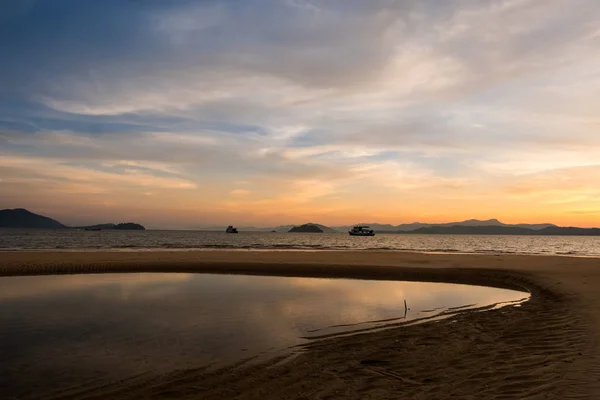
<point>547,348</point>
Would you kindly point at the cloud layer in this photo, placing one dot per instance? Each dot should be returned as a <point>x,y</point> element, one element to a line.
<point>206,112</point>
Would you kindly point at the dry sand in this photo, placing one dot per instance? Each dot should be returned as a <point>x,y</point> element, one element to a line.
<point>546,349</point>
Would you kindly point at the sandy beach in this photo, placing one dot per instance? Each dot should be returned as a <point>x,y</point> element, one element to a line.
<point>545,349</point>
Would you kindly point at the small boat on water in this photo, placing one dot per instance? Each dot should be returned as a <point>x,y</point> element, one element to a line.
<point>360,230</point>
<point>231,229</point>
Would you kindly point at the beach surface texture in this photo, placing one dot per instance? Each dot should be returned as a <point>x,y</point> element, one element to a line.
<point>547,348</point>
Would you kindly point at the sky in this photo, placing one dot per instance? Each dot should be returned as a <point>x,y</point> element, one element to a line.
<point>186,114</point>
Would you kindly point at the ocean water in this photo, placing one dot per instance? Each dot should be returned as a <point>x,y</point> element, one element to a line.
<point>67,239</point>
<point>71,332</point>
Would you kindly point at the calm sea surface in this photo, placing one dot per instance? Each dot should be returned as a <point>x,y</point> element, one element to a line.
<point>85,331</point>
<point>67,239</point>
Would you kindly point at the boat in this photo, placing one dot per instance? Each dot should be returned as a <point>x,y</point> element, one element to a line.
<point>93,229</point>
<point>361,230</point>
<point>231,229</point>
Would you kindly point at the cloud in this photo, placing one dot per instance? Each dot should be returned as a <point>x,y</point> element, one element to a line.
<point>59,170</point>
<point>304,101</point>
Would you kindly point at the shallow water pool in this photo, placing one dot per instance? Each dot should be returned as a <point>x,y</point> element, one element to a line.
<point>67,331</point>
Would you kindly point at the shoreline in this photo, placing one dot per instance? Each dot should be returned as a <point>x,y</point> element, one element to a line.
<point>290,249</point>
<point>548,346</point>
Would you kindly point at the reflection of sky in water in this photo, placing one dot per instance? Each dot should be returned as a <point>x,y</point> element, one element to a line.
<point>64,330</point>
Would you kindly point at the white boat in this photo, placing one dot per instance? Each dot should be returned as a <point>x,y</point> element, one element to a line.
<point>361,230</point>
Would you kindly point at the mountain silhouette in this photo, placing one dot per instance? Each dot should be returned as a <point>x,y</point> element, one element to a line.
<point>22,218</point>
<point>503,230</point>
<point>308,228</point>
<point>417,225</point>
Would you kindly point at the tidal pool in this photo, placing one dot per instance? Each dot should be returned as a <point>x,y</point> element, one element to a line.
<point>58,332</point>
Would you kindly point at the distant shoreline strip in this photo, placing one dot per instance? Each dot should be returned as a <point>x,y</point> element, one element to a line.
<point>309,249</point>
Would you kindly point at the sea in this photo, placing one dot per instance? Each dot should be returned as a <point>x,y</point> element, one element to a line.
<point>173,240</point>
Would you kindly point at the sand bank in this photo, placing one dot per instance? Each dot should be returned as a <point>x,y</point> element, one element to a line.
<point>547,348</point>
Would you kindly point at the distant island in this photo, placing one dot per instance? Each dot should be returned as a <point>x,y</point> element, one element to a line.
<point>307,228</point>
<point>122,226</point>
<point>132,226</point>
<point>22,218</point>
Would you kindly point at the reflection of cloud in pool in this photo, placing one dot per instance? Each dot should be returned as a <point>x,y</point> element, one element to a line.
<point>375,299</point>
<point>19,287</point>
